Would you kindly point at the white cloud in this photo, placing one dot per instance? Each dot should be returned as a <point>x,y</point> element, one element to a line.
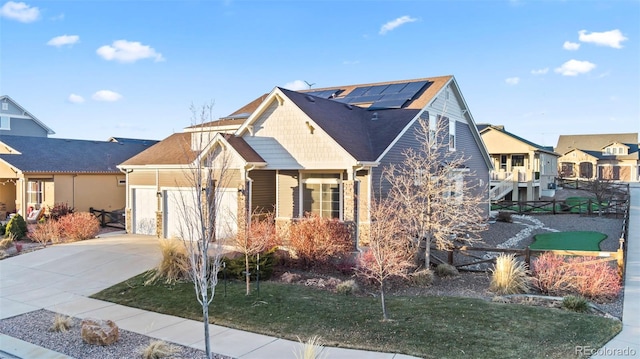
<point>128,51</point>
<point>540,71</point>
<point>571,46</point>
<point>296,85</point>
<point>20,11</point>
<point>512,80</point>
<point>611,38</point>
<point>575,68</point>
<point>73,98</point>
<point>395,23</point>
<point>63,40</point>
<point>106,95</point>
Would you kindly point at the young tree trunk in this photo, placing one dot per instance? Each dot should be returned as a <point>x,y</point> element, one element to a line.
<point>385,317</point>
<point>207,341</point>
<point>247,274</point>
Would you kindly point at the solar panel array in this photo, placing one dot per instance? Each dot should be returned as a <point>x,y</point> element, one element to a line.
<point>324,93</point>
<point>385,96</point>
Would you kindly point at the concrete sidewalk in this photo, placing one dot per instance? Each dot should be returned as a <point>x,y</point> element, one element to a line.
<point>61,277</point>
<point>627,343</point>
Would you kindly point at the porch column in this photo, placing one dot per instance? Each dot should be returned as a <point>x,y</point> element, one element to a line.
<point>349,209</point>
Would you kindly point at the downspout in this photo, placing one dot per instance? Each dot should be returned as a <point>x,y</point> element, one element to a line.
<point>248,194</point>
<point>356,192</point>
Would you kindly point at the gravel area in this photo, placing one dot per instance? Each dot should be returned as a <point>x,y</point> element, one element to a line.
<point>33,327</point>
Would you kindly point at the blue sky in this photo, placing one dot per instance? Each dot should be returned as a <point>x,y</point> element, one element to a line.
<point>96,69</point>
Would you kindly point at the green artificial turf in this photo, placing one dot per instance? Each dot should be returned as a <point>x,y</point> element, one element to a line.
<point>577,241</point>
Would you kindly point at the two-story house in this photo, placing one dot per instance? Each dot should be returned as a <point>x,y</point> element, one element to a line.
<point>522,170</point>
<point>600,156</point>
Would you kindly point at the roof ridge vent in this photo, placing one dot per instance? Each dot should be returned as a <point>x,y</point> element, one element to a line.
<point>310,98</point>
<point>348,106</point>
<point>374,117</point>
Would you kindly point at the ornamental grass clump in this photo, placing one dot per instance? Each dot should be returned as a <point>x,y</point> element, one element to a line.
<point>311,349</point>
<point>575,303</point>
<point>509,276</point>
<point>174,265</point>
<point>159,349</point>
<point>347,287</point>
<point>61,323</point>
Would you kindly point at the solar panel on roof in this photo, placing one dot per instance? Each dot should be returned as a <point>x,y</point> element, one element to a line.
<point>323,93</point>
<point>396,96</point>
<point>376,90</point>
<point>414,87</point>
<point>394,88</point>
<point>358,91</point>
<point>387,104</point>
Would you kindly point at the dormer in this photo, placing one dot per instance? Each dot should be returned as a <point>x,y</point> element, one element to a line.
<point>615,149</point>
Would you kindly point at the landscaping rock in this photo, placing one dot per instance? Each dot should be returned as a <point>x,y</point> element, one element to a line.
<point>99,332</point>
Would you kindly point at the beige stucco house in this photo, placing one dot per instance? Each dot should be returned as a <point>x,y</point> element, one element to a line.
<point>523,170</point>
<point>606,156</point>
<point>294,152</point>
<point>37,171</point>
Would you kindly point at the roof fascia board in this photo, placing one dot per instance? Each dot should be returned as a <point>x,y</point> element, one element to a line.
<point>217,140</point>
<point>470,121</point>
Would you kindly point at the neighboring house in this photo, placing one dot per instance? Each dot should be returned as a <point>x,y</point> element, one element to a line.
<point>607,156</point>
<point>522,170</point>
<point>320,151</point>
<point>16,121</point>
<point>38,172</point>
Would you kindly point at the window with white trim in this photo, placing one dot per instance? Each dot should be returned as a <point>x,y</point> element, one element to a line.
<point>455,188</point>
<point>452,135</point>
<point>34,192</point>
<point>322,195</point>
<point>5,123</point>
<point>433,128</point>
<point>5,106</point>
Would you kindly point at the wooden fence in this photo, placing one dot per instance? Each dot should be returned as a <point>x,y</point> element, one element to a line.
<point>620,187</point>
<point>109,218</point>
<point>616,207</point>
<point>602,256</point>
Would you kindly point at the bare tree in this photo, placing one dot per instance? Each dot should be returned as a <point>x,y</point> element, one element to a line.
<point>255,239</point>
<point>388,254</point>
<point>436,197</point>
<point>199,208</point>
<point>604,191</point>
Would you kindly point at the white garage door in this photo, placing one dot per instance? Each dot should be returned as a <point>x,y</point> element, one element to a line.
<point>144,211</point>
<point>179,205</point>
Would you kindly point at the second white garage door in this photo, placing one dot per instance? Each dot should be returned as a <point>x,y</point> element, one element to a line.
<point>179,205</point>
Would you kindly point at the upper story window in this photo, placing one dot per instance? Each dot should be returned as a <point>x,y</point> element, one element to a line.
<point>452,135</point>
<point>5,106</point>
<point>433,128</point>
<point>517,160</point>
<point>5,123</point>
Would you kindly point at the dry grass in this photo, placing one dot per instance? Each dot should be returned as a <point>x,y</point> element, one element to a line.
<point>6,242</point>
<point>159,349</point>
<point>61,323</point>
<point>311,349</point>
<point>174,265</point>
<point>509,276</point>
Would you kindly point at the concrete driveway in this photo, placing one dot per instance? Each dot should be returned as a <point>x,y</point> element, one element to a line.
<point>66,273</point>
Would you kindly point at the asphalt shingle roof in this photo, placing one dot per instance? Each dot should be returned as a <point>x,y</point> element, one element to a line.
<point>354,128</point>
<point>56,155</point>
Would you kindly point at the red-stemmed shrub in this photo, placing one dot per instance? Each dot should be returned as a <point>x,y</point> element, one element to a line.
<point>317,240</point>
<point>59,210</point>
<point>79,226</point>
<point>45,232</point>
<point>558,275</point>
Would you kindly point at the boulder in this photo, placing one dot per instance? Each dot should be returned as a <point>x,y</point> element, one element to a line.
<point>99,332</point>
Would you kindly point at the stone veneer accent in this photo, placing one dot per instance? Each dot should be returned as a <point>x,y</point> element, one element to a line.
<point>159,231</point>
<point>128,225</point>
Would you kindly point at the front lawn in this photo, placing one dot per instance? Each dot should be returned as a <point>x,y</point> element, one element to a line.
<point>429,327</point>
